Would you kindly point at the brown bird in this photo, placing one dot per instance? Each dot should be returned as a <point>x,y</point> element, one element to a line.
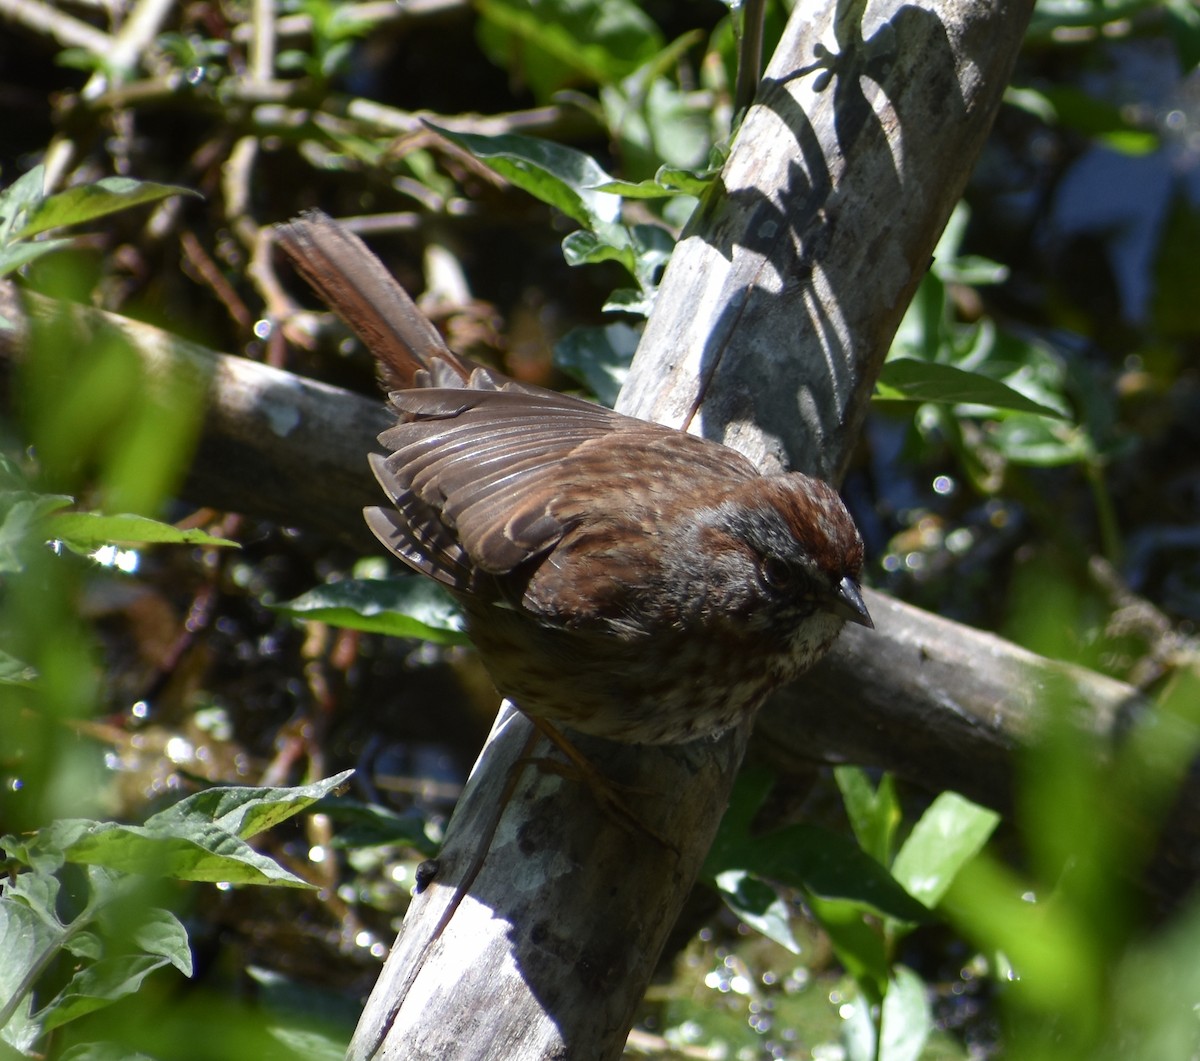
<point>620,578</point>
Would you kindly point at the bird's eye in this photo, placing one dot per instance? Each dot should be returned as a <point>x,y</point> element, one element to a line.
<point>776,572</point>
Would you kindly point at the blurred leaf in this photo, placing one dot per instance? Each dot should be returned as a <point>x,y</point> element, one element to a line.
<point>1155,991</point>
<point>1175,307</point>
<point>1050,947</point>
<point>1051,16</point>
<point>86,202</point>
<point>369,825</point>
<point>557,175</point>
<point>599,358</point>
<point>759,905</point>
<point>97,985</point>
<point>1035,440</point>
<point>102,1052</point>
<point>653,119</point>
<point>973,270</point>
<point>22,516</point>
<point>1183,24</point>
<point>87,531</point>
<point>907,1019</point>
<point>554,43</point>
<point>950,833</point>
<point>909,379</point>
<point>18,200</point>
<point>15,255</point>
<point>25,939</point>
<point>874,812</point>
<point>399,607</point>
<point>160,933</point>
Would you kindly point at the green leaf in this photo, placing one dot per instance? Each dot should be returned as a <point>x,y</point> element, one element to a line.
<point>18,199</point>
<point>950,833</point>
<point>25,939</point>
<point>244,811</point>
<point>759,905</point>
<point>370,825</point>
<point>97,985</point>
<point>553,43</point>
<point>22,516</point>
<point>584,247</point>
<point>399,607</point>
<point>667,183</point>
<point>559,176</point>
<point>102,1051</point>
<point>178,843</point>
<point>859,945</point>
<point>87,531</point>
<point>824,863</point>
<point>160,933</point>
<point>90,201</point>
<point>687,181</point>
<point>205,853</point>
<point>647,189</point>
<point>599,358</point>
<point>15,255</point>
<point>910,379</point>
<point>906,1019</point>
<point>1040,442</point>
<point>874,813</point>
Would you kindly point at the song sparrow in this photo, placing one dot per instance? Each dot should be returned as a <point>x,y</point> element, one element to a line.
<point>620,578</point>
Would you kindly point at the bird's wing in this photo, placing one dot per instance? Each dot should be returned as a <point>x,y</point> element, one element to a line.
<point>484,481</point>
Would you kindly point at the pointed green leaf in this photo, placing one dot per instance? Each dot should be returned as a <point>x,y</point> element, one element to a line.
<point>97,985</point>
<point>910,379</point>
<point>86,202</point>
<point>87,531</point>
<point>244,811</point>
<point>559,176</point>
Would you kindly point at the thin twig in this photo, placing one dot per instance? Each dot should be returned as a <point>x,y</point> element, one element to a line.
<point>70,32</point>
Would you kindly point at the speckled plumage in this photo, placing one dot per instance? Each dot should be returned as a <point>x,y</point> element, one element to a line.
<point>619,577</point>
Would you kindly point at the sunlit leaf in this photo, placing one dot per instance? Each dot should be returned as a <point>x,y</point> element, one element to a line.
<point>86,202</point>
<point>946,837</point>
<point>910,379</point>
<point>244,811</point>
<point>89,530</point>
<point>558,175</point>
<point>398,607</point>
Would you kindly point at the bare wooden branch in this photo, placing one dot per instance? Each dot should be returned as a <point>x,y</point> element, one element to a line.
<point>273,444</point>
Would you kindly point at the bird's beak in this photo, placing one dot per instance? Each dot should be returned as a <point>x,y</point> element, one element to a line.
<point>848,603</point>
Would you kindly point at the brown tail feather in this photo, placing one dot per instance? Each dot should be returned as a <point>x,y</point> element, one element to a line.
<point>356,286</point>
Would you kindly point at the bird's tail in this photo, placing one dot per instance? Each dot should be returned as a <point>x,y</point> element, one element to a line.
<point>353,282</point>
